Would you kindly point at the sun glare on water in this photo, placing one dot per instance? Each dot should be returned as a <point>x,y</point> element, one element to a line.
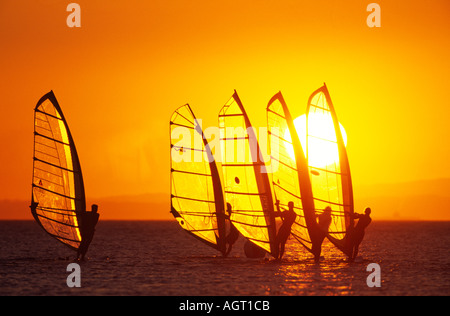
<point>322,145</point>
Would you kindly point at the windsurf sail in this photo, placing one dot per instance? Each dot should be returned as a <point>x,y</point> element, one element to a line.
<point>246,182</point>
<point>58,199</point>
<point>329,166</point>
<point>290,181</point>
<point>196,193</point>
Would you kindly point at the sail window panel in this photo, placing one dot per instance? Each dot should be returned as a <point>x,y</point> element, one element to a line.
<point>67,149</point>
<point>196,189</point>
<point>46,150</point>
<point>193,185</point>
<point>242,208</point>
<point>231,109</point>
<point>246,204</point>
<point>40,120</point>
<point>58,129</point>
<point>50,156</point>
<point>334,189</point>
<point>197,210</point>
<point>48,107</point>
<point>194,208</point>
<point>319,102</point>
<point>49,225</point>
<point>198,227</point>
<point>64,135</point>
<point>52,200</point>
<point>234,124</point>
<point>66,224</point>
<point>250,225</point>
<point>286,185</point>
<point>183,116</point>
<point>71,243</point>
<point>188,148</point>
<point>46,180</point>
<point>198,218</point>
<point>55,214</point>
<point>327,187</point>
<point>201,207</point>
<point>235,147</point>
<point>64,185</point>
<point>48,169</point>
<point>64,233</point>
<point>53,152</point>
<point>191,170</point>
<point>53,224</point>
<point>70,185</point>
<point>65,156</point>
<point>46,140</point>
<point>190,167</point>
<point>43,127</point>
<point>240,179</point>
<point>58,214</point>
<point>285,176</point>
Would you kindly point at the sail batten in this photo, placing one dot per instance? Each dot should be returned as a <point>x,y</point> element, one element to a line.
<point>54,192</point>
<point>53,165</point>
<point>246,184</point>
<point>53,220</point>
<point>49,138</point>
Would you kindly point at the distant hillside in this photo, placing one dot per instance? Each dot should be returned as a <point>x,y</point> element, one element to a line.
<point>15,209</point>
<point>422,200</point>
<point>139,207</point>
<point>439,187</point>
<point>418,200</point>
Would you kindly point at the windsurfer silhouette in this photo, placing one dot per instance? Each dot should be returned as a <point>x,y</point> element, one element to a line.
<point>356,235</point>
<point>324,223</point>
<point>88,222</point>
<point>234,233</point>
<point>288,217</point>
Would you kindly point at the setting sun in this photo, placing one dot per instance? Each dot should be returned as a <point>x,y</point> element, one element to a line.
<point>322,147</point>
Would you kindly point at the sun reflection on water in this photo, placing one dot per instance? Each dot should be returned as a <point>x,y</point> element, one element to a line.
<point>299,275</point>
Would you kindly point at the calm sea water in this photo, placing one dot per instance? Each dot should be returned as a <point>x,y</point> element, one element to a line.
<point>158,258</point>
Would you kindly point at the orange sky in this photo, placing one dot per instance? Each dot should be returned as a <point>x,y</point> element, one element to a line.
<point>120,76</point>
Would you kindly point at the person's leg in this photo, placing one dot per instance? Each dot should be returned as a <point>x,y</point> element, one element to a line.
<point>281,250</point>
<point>228,250</point>
<point>355,251</point>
